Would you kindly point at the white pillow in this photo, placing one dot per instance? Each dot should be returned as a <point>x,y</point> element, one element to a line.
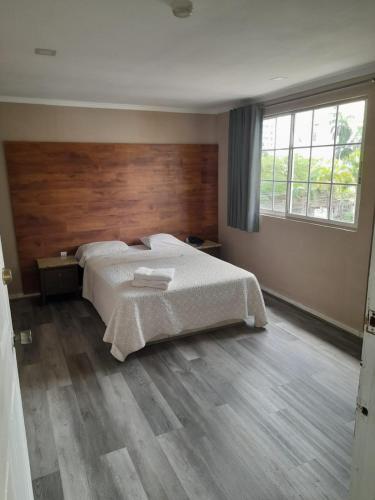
<point>95,249</point>
<point>161,239</point>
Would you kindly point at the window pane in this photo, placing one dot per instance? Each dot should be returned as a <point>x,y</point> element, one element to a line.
<point>346,166</point>
<point>324,161</point>
<point>266,195</point>
<point>281,165</point>
<point>321,164</point>
<point>319,200</point>
<point>350,122</point>
<point>324,125</point>
<point>298,198</point>
<point>343,203</point>
<point>267,165</point>
<point>300,164</point>
<point>302,128</point>
<point>283,131</point>
<point>279,196</point>
<point>268,137</point>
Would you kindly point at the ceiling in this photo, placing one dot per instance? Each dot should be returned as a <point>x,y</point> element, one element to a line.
<point>135,52</point>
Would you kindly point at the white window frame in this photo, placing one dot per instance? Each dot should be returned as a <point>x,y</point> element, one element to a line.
<point>307,218</point>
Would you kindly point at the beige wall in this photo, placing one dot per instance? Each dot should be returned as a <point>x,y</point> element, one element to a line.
<point>323,268</point>
<point>54,123</point>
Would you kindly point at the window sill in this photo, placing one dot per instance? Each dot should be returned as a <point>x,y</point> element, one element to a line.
<point>319,222</point>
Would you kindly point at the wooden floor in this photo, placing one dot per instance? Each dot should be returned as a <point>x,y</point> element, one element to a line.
<point>236,413</point>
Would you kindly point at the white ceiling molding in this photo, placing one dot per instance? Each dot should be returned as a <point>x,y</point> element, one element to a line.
<point>366,71</point>
<point>109,105</point>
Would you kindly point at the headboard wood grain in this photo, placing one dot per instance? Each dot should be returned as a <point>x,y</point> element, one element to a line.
<point>67,194</point>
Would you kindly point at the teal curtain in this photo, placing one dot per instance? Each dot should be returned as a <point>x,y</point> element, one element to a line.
<point>244,165</point>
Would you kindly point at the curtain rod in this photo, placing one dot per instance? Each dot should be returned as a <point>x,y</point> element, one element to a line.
<point>275,102</point>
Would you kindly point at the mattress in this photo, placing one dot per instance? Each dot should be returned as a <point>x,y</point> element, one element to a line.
<point>205,291</point>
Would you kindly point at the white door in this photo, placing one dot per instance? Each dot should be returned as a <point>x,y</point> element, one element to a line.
<point>363,470</point>
<point>15,479</point>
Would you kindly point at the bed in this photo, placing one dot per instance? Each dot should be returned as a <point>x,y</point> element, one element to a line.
<point>205,292</point>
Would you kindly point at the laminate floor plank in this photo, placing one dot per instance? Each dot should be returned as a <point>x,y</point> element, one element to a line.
<point>126,416</point>
<point>240,365</point>
<point>52,357</point>
<point>312,480</point>
<point>318,394</point>
<point>318,417</point>
<point>156,473</point>
<point>71,441</point>
<point>191,469</point>
<point>158,478</point>
<point>344,383</point>
<point>155,408</point>
<point>236,413</point>
<point>229,465</point>
<point>126,480</point>
<point>41,443</point>
<point>199,390</point>
<point>48,487</point>
<point>68,328</point>
<point>254,412</point>
<point>185,407</point>
<point>187,349</point>
<point>236,386</point>
<point>319,442</point>
<point>268,431</point>
<point>97,417</point>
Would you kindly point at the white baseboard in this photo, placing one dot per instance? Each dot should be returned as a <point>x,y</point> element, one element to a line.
<point>311,311</point>
<point>16,296</point>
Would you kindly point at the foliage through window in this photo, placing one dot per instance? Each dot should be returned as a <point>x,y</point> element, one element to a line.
<point>311,163</point>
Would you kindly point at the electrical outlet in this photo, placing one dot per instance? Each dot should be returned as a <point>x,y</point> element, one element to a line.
<point>63,254</point>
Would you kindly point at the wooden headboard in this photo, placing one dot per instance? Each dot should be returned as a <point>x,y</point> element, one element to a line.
<point>66,194</point>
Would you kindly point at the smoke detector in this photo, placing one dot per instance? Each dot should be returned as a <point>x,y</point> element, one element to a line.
<point>182,8</point>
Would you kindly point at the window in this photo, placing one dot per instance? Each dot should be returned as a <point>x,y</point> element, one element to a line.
<point>311,163</point>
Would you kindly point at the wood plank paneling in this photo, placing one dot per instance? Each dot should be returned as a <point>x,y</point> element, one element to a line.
<point>67,194</point>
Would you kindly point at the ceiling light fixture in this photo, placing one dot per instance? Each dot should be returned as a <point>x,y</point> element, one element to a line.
<point>45,52</point>
<point>182,8</point>
<point>278,78</point>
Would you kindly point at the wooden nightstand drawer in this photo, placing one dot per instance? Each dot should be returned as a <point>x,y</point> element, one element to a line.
<point>58,275</point>
<point>60,280</point>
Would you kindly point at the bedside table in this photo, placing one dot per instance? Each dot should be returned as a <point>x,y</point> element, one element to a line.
<point>58,275</point>
<point>210,247</point>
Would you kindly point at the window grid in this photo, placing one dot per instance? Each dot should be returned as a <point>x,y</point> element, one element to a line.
<point>290,181</point>
<point>333,165</point>
<point>309,171</point>
<point>275,182</point>
<point>290,165</point>
<point>338,145</point>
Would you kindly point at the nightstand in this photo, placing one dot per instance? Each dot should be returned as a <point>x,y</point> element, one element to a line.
<point>210,247</point>
<point>58,275</point>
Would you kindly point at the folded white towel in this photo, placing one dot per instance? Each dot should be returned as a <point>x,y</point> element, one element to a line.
<point>160,274</point>
<point>163,285</point>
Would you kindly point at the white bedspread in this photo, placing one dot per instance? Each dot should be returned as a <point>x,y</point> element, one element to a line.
<point>204,291</point>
